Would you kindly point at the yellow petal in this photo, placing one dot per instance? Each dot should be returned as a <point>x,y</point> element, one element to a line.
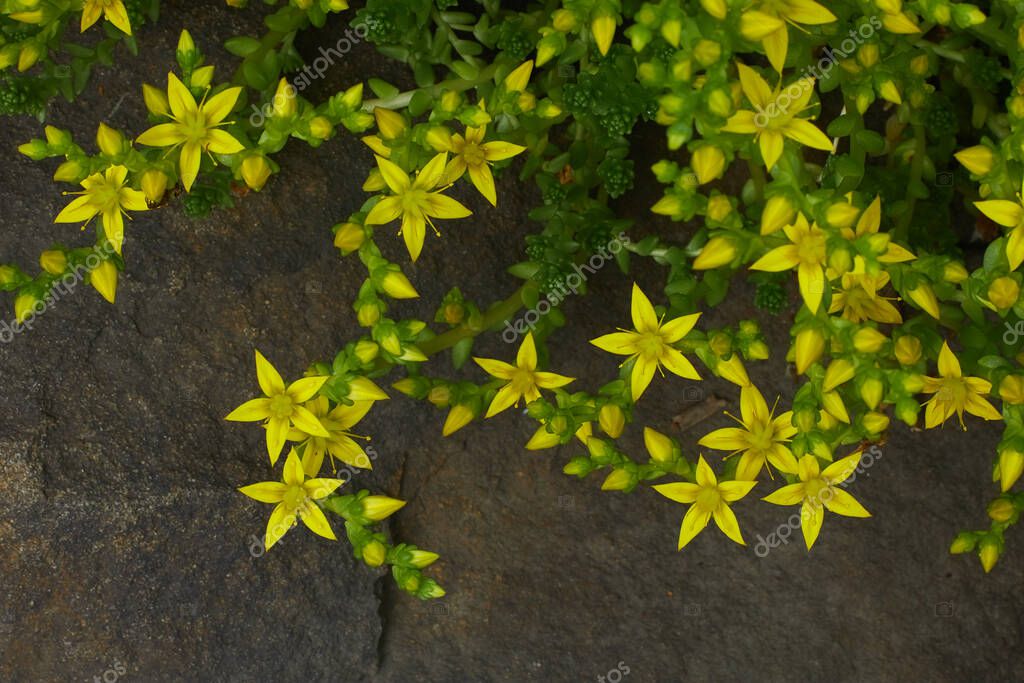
<point>694,522</point>
<point>811,517</point>
<point>725,518</point>
<point>949,366</point>
<point>268,377</point>
<point>432,173</point>
<point>438,205</point>
<point>393,175</point>
<point>251,411</point>
<point>622,343</point>
<point>222,142</point>
<point>642,312</point>
<point>778,259</point>
<point>807,134</point>
<point>79,210</point>
<point>191,158</point>
<point>484,182</point>
<point>681,492</point>
<point>302,390</point>
<point>281,520</point>
<point>266,492</point>
<point>314,519</point>
<point>162,135</point>
<point>771,143</point>
<point>842,503</point>
<point>792,494</point>
<point>385,210</point>
<point>179,97</point>
<point>504,399</point>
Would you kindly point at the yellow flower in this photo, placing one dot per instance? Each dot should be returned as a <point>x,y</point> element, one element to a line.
<point>524,380</point>
<point>775,118</point>
<point>818,490</point>
<point>473,154</point>
<point>858,297</point>
<point>296,498</point>
<point>955,393</point>
<point>761,437</point>
<point>339,444</point>
<point>112,10</point>
<point>196,127</point>
<point>649,344</point>
<point>807,253</point>
<point>415,200</point>
<point>766,23</point>
<point>709,498</point>
<point>105,194</point>
<point>1011,215</point>
<point>281,407</point>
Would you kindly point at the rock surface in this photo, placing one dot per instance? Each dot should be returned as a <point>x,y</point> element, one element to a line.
<point>125,547</point>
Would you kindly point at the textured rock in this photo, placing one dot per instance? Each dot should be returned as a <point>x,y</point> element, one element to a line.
<point>124,543</point>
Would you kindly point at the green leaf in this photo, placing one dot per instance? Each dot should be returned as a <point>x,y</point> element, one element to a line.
<point>461,352</point>
<point>241,46</point>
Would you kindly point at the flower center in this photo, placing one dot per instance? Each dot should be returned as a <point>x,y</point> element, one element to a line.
<point>193,126</point>
<point>294,497</point>
<point>814,490</point>
<point>522,380</point>
<point>412,199</point>
<point>473,155</point>
<point>281,406</point>
<point>708,499</point>
<point>651,345</point>
<point>761,437</point>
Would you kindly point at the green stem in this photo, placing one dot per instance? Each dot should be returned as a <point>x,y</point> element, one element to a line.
<point>402,99</point>
<point>498,313</point>
<point>916,170</point>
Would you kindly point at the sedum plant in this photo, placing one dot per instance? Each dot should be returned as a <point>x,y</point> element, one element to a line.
<point>857,164</point>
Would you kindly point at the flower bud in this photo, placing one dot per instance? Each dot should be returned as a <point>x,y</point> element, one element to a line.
<point>659,446</point>
<point>954,272</point>
<point>422,558</point>
<point>809,347</point>
<point>708,163</point>
<point>202,77</point>
<point>458,417</point>
<point>1003,292</point>
<point>366,350</point>
<point>842,215</point>
<point>255,171</point>
<point>874,422</point>
<point>719,208</point>
<point>617,480</point>
<point>564,20</point>
<point>908,349</point>
<point>156,100</point>
<point>872,391</point>
<point>390,123</point>
<point>733,371</point>
<point>284,104</point>
<point>374,553</point>
<point>70,171</point>
<point>925,298</point>
<point>542,439</point>
<point>397,286</point>
<point>24,305</point>
<point>603,28</point>
<point>349,236</point>
<point>869,340</point>
<point>104,279</point>
<point>53,261</point>
<point>1011,465</point>
<point>320,127</point>
<point>612,420</point>
<point>353,97</point>
<point>1001,510</point>
<point>719,251</point>
<point>963,543</point>
<point>988,553</point>
<point>978,159</point>
<point>154,185</point>
<point>519,78</point>
<point>368,314</point>
<point>376,508</point>
<point>716,8</point>
<point>110,141</point>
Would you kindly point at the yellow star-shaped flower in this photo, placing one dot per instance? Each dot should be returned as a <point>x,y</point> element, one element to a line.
<point>340,444</point>
<point>955,393</point>
<point>818,490</point>
<point>708,498</point>
<point>415,200</point>
<point>807,253</point>
<point>649,343</point>
<point>1009,215</point>
<point>761,437</point>
<point>473,154</point>
<point>105,194</point>
<point>195,127</point>
<point>775,118</point>
<point>524,381</point>
<point>296,497</point>
<point>281,407</point>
